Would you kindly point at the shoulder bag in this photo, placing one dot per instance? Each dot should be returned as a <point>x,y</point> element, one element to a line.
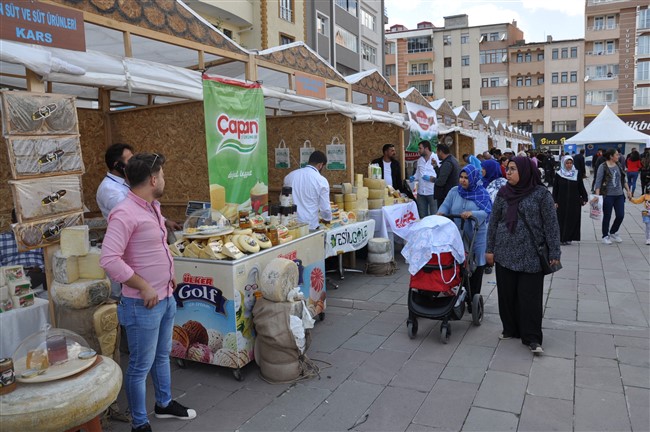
<point>542,250</point>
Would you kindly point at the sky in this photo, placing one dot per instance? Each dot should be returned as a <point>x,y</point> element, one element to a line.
<point>562,19</point>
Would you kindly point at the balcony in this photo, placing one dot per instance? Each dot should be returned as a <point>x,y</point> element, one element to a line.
<point>597,53</point>
<point>420,72</point>
<point>529,92</point>
<point>602,32</point>
<point>494,91</point>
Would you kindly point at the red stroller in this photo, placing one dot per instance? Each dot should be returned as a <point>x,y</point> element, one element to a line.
<point>440,289</point>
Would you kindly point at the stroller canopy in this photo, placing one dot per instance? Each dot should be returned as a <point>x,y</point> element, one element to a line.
<point>432,235</point>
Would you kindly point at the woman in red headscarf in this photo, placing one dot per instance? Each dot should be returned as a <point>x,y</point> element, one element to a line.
<point>511,246</point>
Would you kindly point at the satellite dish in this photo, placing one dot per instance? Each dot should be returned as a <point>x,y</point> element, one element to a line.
<point>587,78</point>
<point>449,140</point>
<point>505,81</point>
<point>503,37</point>
<point>481,39</point>
<point>504,58</point>
<point>536,104</point>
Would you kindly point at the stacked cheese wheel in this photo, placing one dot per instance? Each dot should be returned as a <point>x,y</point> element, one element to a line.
<point>376,192</point>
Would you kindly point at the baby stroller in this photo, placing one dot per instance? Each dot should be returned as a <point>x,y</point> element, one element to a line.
<point>441,288</point>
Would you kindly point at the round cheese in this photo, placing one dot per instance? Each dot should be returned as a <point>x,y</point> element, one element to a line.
<point>362,192</point>
<point>350,205</point>
<point>278,278</point>
<point>248,244</point>
<point>381,258</point>
<point>338,198</point>
<point>350,197</point>
<point>375,204</point>
<point>375,193</point>
<point>378,245</point>
<point>374,183</point>
<point>80,294</point>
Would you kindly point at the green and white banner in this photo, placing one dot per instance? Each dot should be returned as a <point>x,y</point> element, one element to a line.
<point>235,132</point>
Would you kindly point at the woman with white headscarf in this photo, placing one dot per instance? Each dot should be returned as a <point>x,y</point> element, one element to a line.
<point>569,194</point>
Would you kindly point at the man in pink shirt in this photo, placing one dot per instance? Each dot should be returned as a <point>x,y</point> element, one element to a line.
<point>135,253</point>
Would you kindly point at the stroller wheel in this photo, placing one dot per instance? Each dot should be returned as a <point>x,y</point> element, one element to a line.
<point>412,328</point>
<point>477,309</point>
<point>445,332</point>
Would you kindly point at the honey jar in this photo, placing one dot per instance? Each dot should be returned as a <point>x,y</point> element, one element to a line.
<point>7,377</point>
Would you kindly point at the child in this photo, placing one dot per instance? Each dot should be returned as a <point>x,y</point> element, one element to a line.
<point>645,213</point>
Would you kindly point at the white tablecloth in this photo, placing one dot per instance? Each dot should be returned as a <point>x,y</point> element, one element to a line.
<point>17,324</point>
<point>348,238</point>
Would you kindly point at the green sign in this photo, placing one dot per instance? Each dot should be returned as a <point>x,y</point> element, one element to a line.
<point>235,131</point>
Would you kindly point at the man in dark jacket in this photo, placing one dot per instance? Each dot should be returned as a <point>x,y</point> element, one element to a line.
<point>579,163</point>
<point>447,174</point>
<point>390,168</point>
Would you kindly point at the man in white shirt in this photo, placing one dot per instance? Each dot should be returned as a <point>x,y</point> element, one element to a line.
<point>113,189</point>
<point>391,171</point>
<point>425,175</point>
<point>311,191</point>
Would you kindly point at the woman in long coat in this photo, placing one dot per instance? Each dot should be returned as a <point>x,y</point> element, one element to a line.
<point>569,194</point>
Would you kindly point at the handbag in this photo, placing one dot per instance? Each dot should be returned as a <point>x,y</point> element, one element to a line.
<point>542,251</point>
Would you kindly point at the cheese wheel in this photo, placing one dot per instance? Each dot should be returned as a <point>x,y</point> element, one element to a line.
<point>378,245</point>
<point>381,258</point>
<point>349,197</point>
<point>278,278</point>
<point>65,269</point>
<point>350,206</point>
<point>362,192</point>
<point>375,193</point>
<point>362,204</point>
<point>81,294</point>
<point>249,244</point>
<point>338,198</point>
<point>359,180</point>
<point>347,188</point>
<point>374,204</point>
<point>106,325</point>
<point>374,183</point>
<point>263,240</point>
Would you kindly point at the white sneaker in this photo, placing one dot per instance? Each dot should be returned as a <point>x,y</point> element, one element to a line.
<point>606,240</point>
<point>647,242</point>
<point>617,238</point>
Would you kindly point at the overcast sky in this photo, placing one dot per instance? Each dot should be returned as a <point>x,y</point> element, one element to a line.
<point>563,19</point>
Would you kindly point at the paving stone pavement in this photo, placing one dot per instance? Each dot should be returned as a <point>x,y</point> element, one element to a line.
<point>593,376</point>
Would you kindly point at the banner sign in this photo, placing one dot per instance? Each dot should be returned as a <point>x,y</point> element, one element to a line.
<point>235,132</point>
<point>42,24</point>
<point>379,102</point>
<point>399,217</point>
<point>348,238</point>
<point>310,85</point>
<point>423,126</point>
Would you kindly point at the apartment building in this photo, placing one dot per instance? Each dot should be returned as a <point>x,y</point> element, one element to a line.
<point>617,60</point>
<point>256,24</point>
<point>466,65</point>
<point>546,85</point>
<point>349,34</point>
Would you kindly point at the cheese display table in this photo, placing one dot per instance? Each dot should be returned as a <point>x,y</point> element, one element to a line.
<point>215,299</point>
<point>17,324</point>
<point>63,404</point>
<point>348,238</point>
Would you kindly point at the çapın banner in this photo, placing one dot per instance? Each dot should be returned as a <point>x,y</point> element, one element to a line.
<point>235,132</point>
<point>423,126</point>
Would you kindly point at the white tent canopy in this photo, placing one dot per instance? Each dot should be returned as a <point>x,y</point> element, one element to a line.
<point>608,128</point>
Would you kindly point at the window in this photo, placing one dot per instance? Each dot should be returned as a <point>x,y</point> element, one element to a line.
<point>540,80</point>
<point>642,97</point>
<point>483,38</point>
<point>519,82</point>
<point>599,23</point>
<point>643,71</point>
<point>286,10</point>
<point>528,81</point>
<point>346,39</point>
<point>520,58</point>
<point>485,82</point>
<point>485,105</point>
<point>390,70</point>
<point>447,61</point>
<point>603,71</point>
<point>494,82</point>
<point>465,104</point>
<point>643,22</point>
<point>464,38</point>
<point>565,77</point>
<point>323,25</point>
<point>286,39</point>
<point>419,69</point>
<point>555,54</point>
<point>528,57</point>
<point>495,104</point>
<point>419,44</point>
<point>464,61</point>
<point>563,101</point>
<point>610,46</point>
<point>554,102</point>
<point>643,45</point>
<point>494,36</point>
<point>573,101</point>
<point>610,22</point>
<point>227,33</point>
<point>601,97</point>
<point>574,52</point>
<point>369,53</point>
<point>390,48</point>
<point>424,87</point>
<point>447,84</point>
<point>564,126</point>
<point>565,53</point>
<point>521,105</point>
<point>446,40</point>
<point>368,20</point>
<point>348,5</point>
<point>540,56</point>
<point>465,83</point>
<point>554,77</point>
<point>529,104</point>
<point>492,56</point>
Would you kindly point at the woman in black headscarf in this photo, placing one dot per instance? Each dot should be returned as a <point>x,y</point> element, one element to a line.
<point>520,280</point>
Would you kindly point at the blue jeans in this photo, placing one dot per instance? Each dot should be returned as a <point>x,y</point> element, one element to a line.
<point>632,177</point>
<point>426,205</point>
<point>617,202</point>
<point>149,334</point>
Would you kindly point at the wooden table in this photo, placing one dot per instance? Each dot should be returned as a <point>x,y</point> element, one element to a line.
<point>63,404</point>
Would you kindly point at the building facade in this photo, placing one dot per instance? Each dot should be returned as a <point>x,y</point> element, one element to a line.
<point>466,65</point>
<point>617,60</point>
